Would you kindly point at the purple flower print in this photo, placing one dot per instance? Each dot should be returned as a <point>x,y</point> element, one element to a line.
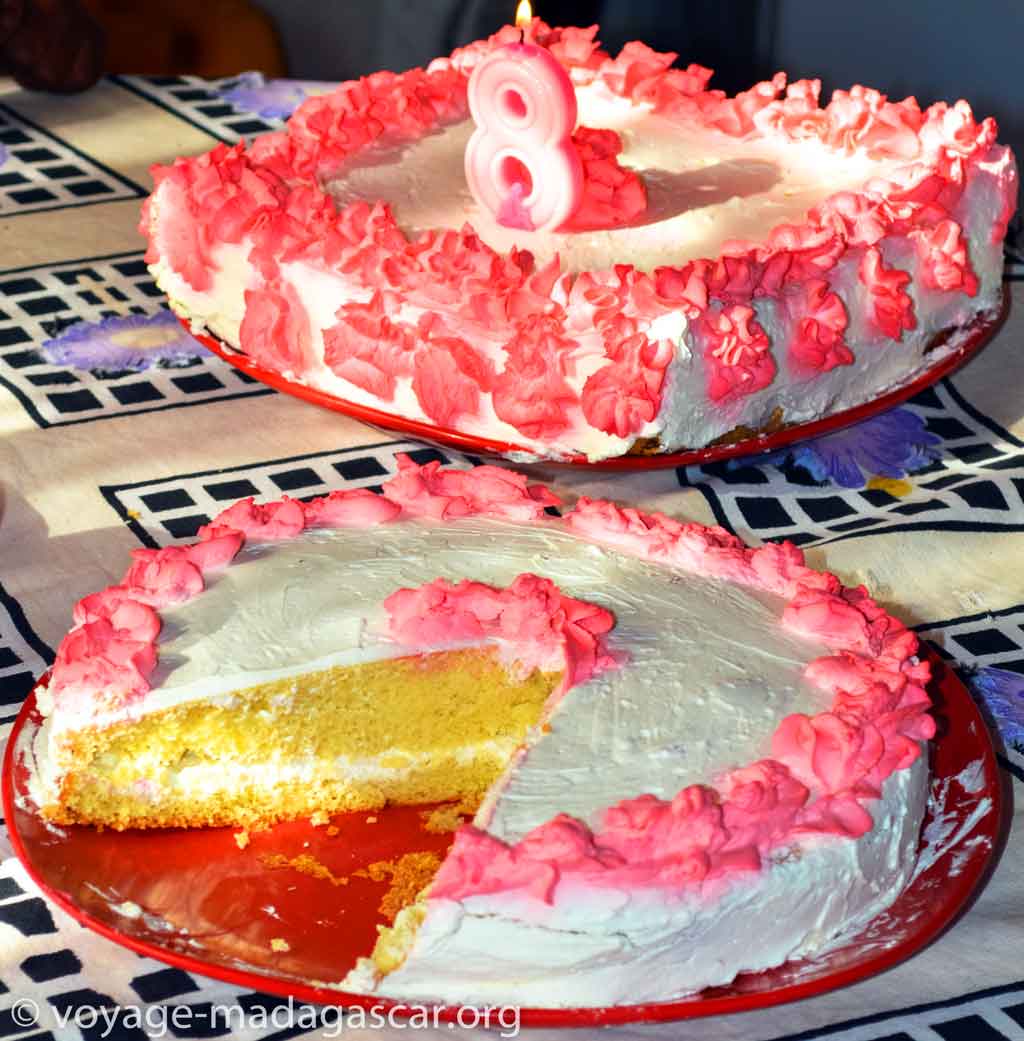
<point>271,99</point>
<point>131,342</point>
<point>1001,694</point>
<point>892,444</point>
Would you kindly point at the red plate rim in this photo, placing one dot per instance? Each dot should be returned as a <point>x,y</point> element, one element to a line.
<point>968,737</point>
<point>975,336</point>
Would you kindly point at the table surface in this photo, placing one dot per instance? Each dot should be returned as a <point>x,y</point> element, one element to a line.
<point>117,431</point>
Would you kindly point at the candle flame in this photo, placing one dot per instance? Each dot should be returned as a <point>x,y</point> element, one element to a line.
<point>524,14</point>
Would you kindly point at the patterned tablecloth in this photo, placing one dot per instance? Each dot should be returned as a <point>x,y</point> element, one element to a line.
<point>117,431</point>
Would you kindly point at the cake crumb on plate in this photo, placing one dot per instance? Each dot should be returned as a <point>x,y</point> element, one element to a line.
<point>304,864</point>
<point>443,818</point>
<point>409,874</point>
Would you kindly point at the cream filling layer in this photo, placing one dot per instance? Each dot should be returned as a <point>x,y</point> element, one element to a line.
<point>203,781</point>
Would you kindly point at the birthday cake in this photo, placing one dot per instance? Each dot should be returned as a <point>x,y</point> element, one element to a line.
<point>729,265</point>
<point>677,743</point>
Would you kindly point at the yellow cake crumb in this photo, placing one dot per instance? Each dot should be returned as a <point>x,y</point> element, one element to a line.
<point>442,819</point>
<point>319,819</point>
<point>304,864</point>
<point>394,941</point>
<point>409,875</point>
<point>241,839</point>
<point>279,944</point>
<point>377,871</point>
<point>371,820</point>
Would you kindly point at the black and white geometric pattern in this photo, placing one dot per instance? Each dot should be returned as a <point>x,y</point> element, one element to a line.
<point>198,102</point>
<point>1013,249</point>
<point>990,639</point>
<point>37,303</point>
<point>995,1014</point>
<point>976,485</point>
<point>42,172</point>
<point>23,657</point>
<point>174,508</point>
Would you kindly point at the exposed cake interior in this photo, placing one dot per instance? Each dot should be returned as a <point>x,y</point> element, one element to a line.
<point>418,729</point>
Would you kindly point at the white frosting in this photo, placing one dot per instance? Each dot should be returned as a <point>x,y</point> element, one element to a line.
<point>703,187</point>
<point>607,947</point>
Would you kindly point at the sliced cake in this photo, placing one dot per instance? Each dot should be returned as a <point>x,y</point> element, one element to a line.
<point>677,742</point>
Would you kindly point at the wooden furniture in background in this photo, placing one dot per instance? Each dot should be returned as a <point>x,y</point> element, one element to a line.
<point>202,37</point>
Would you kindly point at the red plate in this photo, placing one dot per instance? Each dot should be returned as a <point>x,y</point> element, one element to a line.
<point>209,907</point>
<point>972,338</point>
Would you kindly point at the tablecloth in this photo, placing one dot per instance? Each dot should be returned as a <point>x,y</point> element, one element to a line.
<point>118,432</point>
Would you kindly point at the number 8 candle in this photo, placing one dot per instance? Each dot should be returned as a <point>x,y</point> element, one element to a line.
<point>521,163</point>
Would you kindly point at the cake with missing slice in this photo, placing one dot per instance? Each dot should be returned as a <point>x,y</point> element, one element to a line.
<point>677,743</point>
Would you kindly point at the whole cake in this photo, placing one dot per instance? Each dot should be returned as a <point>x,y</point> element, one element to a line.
<point>736,264</point>
<point>677,743</point>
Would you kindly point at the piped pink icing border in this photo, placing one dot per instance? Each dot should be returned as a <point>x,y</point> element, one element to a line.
<point>824,771</point>
<point>271,192</point>
<point>545,629</point>
<point>106,660</point>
